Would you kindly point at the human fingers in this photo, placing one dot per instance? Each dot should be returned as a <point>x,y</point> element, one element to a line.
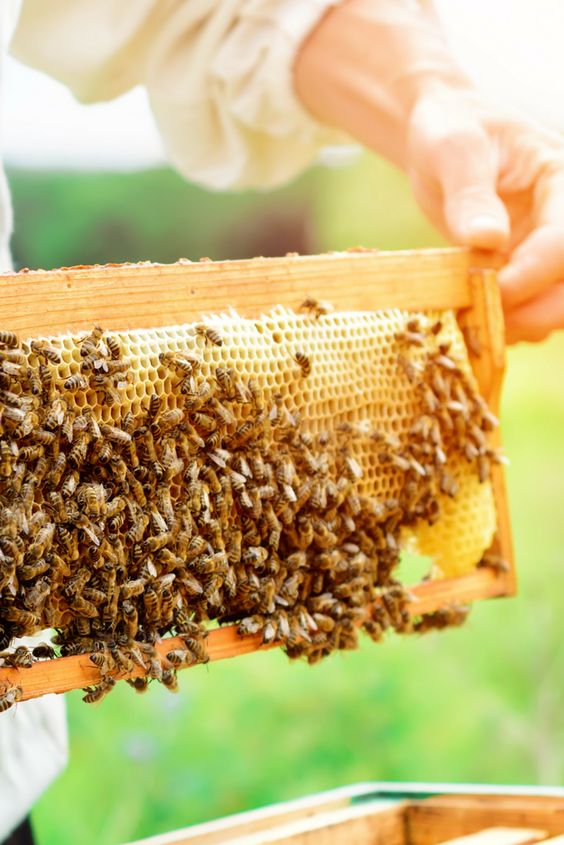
<point>451,148</point>
<point>538,261</point>
<point>534,320</point>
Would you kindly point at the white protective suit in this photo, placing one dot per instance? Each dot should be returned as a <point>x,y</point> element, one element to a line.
<point>219,78</point>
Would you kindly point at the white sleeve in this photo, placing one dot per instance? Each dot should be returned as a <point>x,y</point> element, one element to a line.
<point>218,75</point>
<point>33,751</point>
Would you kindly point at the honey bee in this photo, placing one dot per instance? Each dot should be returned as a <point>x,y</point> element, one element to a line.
<point>24,619</point>
<point>41,543</point>
<point>188,386</point>
<point>483,468</point>
<point>113,346</point>
<point>9,339</point>
<point>77,454</point>
<point>36,383</point>
<point>119,469</point>
<point>137,529</point>
<point>36,596</point>
<point>55,414</point>
<point>103,661</point>
<point>211,478</point>
<point>242,392</point>
<point>446,363</point>
<point>251,625</point>
<point>137,490</point>
<point>453,615</point>
<point>164,503</point>
<point>490,560</point>
<point>223,412</point>
<point>269,632</point>
<point>94,595</point>
<point>59,567</point>
<point>411,337</point>
<point>95,362</point>
<point>69,484</point>
<point>169,680</point>
<point>157,541</point>
<point>7,460</point>
<point>190,584</point>
<point>111,395</point>
<point>316,308</point>
<point>204,421</point>
<point>179,657</point>
<point>14,414</point>
<point>44,437</point>
<point>225,378</point>
<point>237,480</point>
<point>76,382</point>
<point>90,342</point>
<point>209,334</point>
<point>43,651</point>
<point>167,605</point>
<point>183,362</point>
<point>81,607</point>
<point>131,588</point>
<point>167,420</point>
<point>151,605</point>
<point>234,547</point>
<point>9,696</point>
<point>97,693</point>
<point>77,582</point>
<point>155,668</point>
<point>44,350</point>
<point>20,658</point>
<point>115,435</point>
<point>102,452</point>
<point>197,648</point>
<point>121,658</point>
<point>140,685</point>
<point>130,618</point>
<point>303,361</point>
<point>11,370</point>
<point>39,470</point>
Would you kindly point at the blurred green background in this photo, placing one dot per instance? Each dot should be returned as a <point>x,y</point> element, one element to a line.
<point>484,703</point>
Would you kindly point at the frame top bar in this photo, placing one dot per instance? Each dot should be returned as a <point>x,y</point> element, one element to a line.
<point>146,295</point>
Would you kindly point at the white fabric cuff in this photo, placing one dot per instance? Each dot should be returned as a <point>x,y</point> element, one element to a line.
<point>33,751</point>
<point>253,76</point>
<point>247,128</point>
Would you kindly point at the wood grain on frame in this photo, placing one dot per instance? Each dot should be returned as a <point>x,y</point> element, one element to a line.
<point>150,295</point>
<point>141,296</point>
<point>68,673</point>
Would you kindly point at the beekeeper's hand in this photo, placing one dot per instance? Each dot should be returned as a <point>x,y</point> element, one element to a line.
<point>380,70</point>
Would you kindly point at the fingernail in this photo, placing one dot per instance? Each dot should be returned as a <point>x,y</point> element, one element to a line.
<point>486,231</point>
<point>487,222</point>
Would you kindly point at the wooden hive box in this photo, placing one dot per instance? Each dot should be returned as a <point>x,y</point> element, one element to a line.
<point>149,296</point>
<point>392,814</point>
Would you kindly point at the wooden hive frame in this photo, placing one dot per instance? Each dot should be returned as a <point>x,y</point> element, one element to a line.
<point>142,296</point>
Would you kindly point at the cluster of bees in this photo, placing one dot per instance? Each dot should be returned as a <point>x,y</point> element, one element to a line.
<point>223,508</point>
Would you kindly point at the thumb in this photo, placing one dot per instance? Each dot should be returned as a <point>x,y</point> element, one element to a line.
<point>474,213</point>
<point>453,150</point>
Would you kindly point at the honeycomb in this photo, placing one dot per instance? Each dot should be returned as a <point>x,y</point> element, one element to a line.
<point>354,378</point>
<point>339,437</point>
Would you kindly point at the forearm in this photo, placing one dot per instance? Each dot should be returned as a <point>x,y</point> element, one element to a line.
<point>366,65</point>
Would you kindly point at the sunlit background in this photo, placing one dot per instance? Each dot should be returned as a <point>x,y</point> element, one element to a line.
<point>483,703</point>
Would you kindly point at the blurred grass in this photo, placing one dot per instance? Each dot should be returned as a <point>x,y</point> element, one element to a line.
<point>481,704</point>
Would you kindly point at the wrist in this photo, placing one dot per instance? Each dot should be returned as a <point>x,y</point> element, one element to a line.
<point>367,64</point>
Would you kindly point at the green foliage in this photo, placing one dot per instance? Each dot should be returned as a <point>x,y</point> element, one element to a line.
<point>482,703</point>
